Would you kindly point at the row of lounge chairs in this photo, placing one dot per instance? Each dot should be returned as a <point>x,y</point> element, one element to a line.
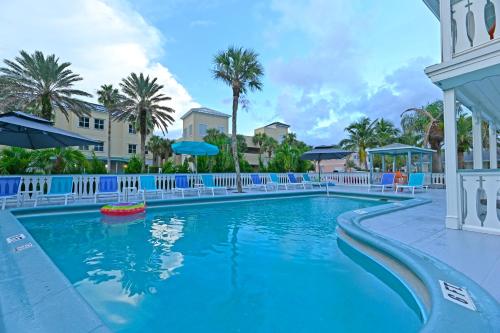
<point>415,182</point>
<point>61,187</point>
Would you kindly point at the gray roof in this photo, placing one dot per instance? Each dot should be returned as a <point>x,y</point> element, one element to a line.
<point>206,111</point>
<point>278,124</point>
<point>398,149</point>
<point>99,107</point>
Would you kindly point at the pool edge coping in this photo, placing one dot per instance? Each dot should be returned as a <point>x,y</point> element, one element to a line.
<point>443,315</point>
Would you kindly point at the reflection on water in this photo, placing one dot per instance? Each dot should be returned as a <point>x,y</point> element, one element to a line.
<point>254,266</point>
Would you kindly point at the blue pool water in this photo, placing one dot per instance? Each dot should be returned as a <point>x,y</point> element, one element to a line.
<point>256,266</point>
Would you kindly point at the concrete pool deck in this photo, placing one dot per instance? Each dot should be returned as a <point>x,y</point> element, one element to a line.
<point>476,255</point>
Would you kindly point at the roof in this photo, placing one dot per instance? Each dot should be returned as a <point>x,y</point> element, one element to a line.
<point>278,124</point>
<point>205,111</point>
<point>398,149</point>
<point>98,107</point>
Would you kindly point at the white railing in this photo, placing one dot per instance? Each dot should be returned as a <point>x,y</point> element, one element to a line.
<point>473,24</point>
<point>479,198</point>
<point>86,185</point>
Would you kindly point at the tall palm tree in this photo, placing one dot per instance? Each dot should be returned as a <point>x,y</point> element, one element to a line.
<point>386,132</point>
<point>59,160</point>
<point>109,97</point>
<point>39,83</point>
<point>143,104</point>
<point>429,123</point>
<point>361,136</point>
<point>464,137</point>
<point>166,149</point>
<point>155,145</point>
<point>241,70</point>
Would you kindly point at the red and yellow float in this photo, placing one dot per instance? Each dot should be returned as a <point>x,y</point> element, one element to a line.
<point>123,208</point>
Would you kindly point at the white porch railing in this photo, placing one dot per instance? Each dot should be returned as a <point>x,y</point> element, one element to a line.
<point>479,198</point>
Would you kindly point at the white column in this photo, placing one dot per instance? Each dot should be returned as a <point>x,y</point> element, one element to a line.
<point>450,142</point>
<point>446,39</point>
<point>477,140</point>
<point>493,145</point>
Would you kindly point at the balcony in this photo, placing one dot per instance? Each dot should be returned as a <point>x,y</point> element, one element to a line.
<point>473,25</point>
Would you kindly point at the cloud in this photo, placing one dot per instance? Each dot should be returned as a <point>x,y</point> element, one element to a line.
<point>322,119</point>
<point>104,40</point>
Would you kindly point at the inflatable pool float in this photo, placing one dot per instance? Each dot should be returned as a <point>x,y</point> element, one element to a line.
<point>123,208</point>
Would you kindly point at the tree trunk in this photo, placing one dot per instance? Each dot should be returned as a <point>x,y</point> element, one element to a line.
<point>460,160</point>
<point>234,140</point>
<point>109,141</point>
<point>46,108</point>
<point>143,130</point>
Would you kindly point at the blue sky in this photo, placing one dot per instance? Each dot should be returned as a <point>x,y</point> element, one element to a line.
<point>327,63</point>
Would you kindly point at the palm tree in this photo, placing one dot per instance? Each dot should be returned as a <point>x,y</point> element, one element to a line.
<point>258,140</point>
<point>15,160</point>
<point>33,81</point>
<point>464,137</point>
<point>59,160</point>
<point>270,146</point>
<point>429,123</point>
<point>166,149</point>
<point>142,105</point>
<point>109,97</point>
<point>361,136</point>
<point>155,145</point>
<point>385,132</point>
<point>241,70</point>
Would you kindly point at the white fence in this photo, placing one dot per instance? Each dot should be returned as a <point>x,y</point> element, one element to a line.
<point>86,185</point>
<point>479,192</point>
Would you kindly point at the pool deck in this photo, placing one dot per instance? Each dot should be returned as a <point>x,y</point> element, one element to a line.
<point>476,255</point>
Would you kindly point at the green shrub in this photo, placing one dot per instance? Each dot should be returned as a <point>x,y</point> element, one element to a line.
<point>95,166</point>
<point>134,165</point>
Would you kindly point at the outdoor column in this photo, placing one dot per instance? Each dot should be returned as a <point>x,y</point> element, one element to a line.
<point>421,162</point>
<point>477,140</point>
<point>370,160</point>
<point>493,145</point>
<point>450,154</point>
<point>393,163</point>
<point>383,163</point>
<point>408,164</point>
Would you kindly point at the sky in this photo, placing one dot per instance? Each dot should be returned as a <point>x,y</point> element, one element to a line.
<point>327,63</point>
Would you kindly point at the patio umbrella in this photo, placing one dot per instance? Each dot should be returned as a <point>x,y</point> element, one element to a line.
<point>319,154</point>
<point>195,148</point>
<point>19,129</point>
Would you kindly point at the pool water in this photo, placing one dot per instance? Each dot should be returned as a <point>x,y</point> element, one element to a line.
<point>255,266</point>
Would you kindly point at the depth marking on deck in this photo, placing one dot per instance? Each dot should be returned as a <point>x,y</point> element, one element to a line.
<point>23,247</point>
<point>457,295</point>
<point>15,238</point>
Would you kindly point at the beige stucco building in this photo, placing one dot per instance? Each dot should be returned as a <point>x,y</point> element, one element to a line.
<point>125,141</point>
<point>197,121</point>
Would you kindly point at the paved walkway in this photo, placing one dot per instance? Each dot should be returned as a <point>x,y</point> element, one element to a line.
<point>474,254</point>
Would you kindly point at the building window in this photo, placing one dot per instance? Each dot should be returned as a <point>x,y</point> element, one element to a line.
<point>184,133</point>
<point>146,151</point>
<point>99,147</point>
<point>132,149</point>
<point>202,130</point>
<point>131,129</point>
<point>84,122</point>
<point>99,124</point>
<point>83,147</point>
<point>222,129</point>
<point>190,130</point>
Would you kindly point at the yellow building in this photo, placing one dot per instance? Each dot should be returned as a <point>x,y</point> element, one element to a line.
<point>197,121</point>
<point>125,141</point>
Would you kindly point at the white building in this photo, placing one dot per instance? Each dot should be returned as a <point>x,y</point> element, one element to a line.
<point>469,74</point>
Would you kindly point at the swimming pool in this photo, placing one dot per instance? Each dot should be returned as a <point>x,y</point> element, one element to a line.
<point>269,265</point>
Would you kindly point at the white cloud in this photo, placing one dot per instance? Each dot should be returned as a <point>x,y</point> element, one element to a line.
<point>104,40</point>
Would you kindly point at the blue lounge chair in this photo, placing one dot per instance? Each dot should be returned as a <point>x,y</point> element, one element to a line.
<point>182,185</point>
<point>209,184</point>
<point>275,182</point>
<point>416,181</point>
<point>107,187</point>
<point>256,183</point>
<point>307,180</point>
<point>59,187</point>
<point>294,182</point>
<point>9,189</point>
<point>147,184</point>
<point>387,181</point>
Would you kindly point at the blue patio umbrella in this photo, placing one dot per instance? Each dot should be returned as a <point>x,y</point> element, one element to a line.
<point>195,148</point>
<point>19,129</point>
